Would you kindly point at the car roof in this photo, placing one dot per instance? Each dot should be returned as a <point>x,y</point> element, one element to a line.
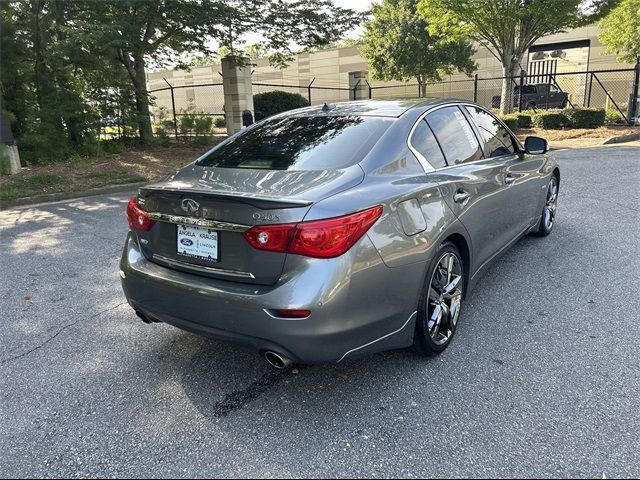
<point>377,108</point>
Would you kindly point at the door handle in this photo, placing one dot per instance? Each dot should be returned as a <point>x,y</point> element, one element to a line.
<point>461,196</point>
<point>509,179</point>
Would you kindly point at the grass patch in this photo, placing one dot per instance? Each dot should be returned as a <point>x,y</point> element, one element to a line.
<point>26,187</point>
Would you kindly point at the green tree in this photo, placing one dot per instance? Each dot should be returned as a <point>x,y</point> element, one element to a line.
<point>620,31</point>
<point>398,46</point>
<point>140,32</point>
<point>508,27</point>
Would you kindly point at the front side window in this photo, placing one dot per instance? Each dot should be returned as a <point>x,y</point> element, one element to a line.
<point>300,143</point>
<point>495,136</point>
<point>424,141</point>
<point>459,143</point>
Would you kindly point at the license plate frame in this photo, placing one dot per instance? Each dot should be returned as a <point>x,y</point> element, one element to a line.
<point>199,243</point>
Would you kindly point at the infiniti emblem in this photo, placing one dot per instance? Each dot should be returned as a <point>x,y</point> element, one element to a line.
<point>190,206</point>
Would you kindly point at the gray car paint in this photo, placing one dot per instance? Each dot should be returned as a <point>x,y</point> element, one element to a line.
<point>363,301</point>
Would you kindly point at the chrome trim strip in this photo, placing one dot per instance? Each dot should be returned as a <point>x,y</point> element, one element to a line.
<point>381,338</point>
<point>423,160</point>
<point>202,268</point>
<point>199,222</point>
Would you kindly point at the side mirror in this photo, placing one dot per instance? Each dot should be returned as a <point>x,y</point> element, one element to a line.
<point>535,145</point>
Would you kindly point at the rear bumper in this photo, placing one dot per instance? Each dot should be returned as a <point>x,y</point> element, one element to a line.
<point>358,304</point>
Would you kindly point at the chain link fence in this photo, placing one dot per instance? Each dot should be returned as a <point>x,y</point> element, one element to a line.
<point>608,89</point>
<point>612,90</point>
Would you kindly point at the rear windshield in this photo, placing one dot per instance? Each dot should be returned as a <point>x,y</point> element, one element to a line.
<point>300,143</point>
<point>525,89</point>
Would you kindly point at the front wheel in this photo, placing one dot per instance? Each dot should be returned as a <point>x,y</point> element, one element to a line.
<point>439,307</point>
<point>548,218</point>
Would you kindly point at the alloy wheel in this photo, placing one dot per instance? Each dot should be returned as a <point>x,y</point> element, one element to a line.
<point>549,213</point>
<point>445,296</point>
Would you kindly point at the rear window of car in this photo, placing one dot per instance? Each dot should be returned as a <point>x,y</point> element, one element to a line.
<point>525,89</point>
<point>300,143</point>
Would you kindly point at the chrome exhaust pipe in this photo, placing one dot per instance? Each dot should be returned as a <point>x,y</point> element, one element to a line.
<point>277,360</point>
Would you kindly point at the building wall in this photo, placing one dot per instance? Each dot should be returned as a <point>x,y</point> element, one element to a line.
<point>330,69</point>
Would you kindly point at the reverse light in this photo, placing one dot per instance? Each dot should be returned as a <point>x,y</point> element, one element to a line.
<point>138,218</point>
<point>327,238</point>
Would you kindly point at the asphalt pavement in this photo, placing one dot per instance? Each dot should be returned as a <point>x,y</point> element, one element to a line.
<point>542,379</point>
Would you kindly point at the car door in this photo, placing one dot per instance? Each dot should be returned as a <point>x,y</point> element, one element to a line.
<point>519,173</point>
<point>472,185</point>
<point>556,97</point>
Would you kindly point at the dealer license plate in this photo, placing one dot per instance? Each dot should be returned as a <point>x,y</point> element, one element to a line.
<point>197,242</point>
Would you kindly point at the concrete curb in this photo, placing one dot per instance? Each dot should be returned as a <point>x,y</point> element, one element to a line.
<point>54,197</point>
<point>622,138</point>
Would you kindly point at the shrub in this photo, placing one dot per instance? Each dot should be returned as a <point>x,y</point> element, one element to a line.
<point>613,117</point>
<point>510,121</point>
<point>524,119</point>
<point>186,124</point>
<point>219,122</point>
<point>585,117</point>
<point>203,125</point>
<point>270,103</point>
<point>551,120</point>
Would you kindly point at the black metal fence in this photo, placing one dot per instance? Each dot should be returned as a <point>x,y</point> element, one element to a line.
<point>608,89</point>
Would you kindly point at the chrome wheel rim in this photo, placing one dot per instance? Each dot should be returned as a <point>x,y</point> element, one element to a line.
<point>444,298</point>
<point>549,213</point>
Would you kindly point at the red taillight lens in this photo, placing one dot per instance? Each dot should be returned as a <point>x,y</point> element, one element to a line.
<point>332,237</point>
<point>273,238</point>
<point>138,218</point>
<point>319,238</point>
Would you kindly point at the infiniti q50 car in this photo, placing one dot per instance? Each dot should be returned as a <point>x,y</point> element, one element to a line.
<point>329,232</point>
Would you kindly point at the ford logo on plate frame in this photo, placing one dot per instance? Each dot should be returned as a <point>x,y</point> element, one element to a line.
<point>190,206</point>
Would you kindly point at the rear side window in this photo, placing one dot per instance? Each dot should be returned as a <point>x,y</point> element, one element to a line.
<point>300,143</point>
<point>495,136</point>
<point>455,136</point>
<point>526,89</point>
<point>424,141</point>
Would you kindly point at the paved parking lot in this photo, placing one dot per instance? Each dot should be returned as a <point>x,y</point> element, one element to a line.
<point>543,378</point>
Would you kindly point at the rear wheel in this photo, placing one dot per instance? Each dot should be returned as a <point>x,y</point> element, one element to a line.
<point>439,307</point>
<point>549,211</point>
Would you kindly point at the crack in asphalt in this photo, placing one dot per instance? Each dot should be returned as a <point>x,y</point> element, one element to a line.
<point>42,344</point>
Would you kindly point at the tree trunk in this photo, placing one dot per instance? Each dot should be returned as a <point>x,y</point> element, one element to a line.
<point>142,100</point>
<point>506,95</point>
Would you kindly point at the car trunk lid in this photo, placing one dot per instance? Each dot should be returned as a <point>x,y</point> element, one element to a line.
<point>202,212</point>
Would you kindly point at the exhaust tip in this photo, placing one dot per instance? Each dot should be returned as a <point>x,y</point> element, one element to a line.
<point>277,360</point>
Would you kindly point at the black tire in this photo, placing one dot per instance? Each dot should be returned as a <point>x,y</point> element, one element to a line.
<point>424,341</point>
<point>531,106</point>
<point>545,227</point>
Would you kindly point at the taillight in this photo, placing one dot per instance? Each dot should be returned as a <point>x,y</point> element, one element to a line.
<point>273,238</point>
<point>138,218</point>
<point>318,238</point>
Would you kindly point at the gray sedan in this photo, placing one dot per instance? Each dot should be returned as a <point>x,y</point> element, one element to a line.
<point>329,232</point>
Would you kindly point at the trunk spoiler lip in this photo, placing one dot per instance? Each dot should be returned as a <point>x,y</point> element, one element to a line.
<point>256,200</point>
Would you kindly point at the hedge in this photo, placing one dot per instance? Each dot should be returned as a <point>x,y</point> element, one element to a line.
<point>510,121</point>
<point>551,120</point>
<point>585,117</point>
<point>612,117</point>
<point>524,119</point>
<point>269,103</point>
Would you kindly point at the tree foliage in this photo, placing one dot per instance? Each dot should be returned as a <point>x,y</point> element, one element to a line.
<point>398,46</point>
<point>508,27</point>
<point>64,61</point>
<point>620,31</point>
